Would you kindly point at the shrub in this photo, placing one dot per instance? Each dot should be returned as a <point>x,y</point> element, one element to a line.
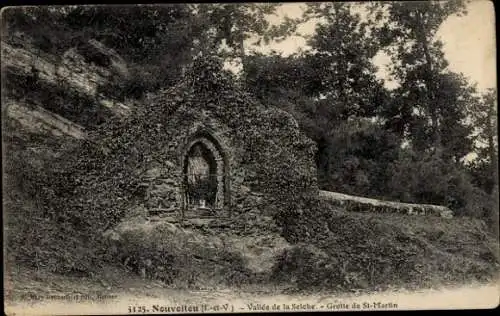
<point>426,178</point>
<point>335,249</point>
<point>33,234</point>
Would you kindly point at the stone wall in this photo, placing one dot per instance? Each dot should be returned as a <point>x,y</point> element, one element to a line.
<point>234,188</point>
<point>137,161</point>
<point>362,204</point>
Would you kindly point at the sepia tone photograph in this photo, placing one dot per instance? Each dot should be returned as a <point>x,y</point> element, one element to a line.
<point>249,157</point>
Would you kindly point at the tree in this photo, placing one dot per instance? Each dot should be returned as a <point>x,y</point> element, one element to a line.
<point>330,90</point>
<point>406,115</point>
<point>156,40</point>
<point>428,92</point>
<point>359,153</point>
<point>484,168</point>
<point>227,26</point>
<point>431,110</point>
<point>341,53</point>
<point>417,177</point>
<point>342,81</point>
<point>483,115</point>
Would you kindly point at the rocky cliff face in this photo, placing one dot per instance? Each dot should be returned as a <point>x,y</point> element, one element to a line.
<point>54,94</point>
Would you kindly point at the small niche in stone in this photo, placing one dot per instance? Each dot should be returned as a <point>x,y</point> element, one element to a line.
<point>205,183</point>
<point>201,178</point>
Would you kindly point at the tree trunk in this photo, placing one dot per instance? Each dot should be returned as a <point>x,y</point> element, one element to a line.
<point>430,82</point>
<point>242,48</point>
<point>494,213</point>
<point>494,220</point>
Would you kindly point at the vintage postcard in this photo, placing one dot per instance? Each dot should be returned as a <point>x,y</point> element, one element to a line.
<point>249,157</point>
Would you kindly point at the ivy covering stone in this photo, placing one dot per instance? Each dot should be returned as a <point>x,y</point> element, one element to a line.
<point>123,162</point>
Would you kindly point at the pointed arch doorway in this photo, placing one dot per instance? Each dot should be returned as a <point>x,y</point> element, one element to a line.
<point>205,189</point>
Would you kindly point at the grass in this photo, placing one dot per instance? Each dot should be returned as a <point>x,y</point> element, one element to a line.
<point>375,251</point>
<point>331,249</point>
<point>362,253</point>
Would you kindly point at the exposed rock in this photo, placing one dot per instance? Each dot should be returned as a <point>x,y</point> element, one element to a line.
<point>38,120</point>
<point>118,64</point>
<point>70,69</point>
<point>357,203</point>
<point>259,252</point>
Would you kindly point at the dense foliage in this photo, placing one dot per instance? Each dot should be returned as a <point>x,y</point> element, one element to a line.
<point>408,143</point>
<point>404,144</point>
<point>97,183</point>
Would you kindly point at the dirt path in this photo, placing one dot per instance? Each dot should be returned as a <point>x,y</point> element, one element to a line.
<point>42,294</point>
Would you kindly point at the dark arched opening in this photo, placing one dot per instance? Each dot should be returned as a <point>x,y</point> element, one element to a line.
<point>200,176</point>
<point>205,175</point>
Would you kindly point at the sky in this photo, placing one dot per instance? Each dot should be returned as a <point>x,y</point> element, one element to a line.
<point>469,42</point>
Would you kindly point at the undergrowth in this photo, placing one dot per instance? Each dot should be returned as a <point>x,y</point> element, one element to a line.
<point>55,221</point>
<point>335,249</point>
<point>169,254</point>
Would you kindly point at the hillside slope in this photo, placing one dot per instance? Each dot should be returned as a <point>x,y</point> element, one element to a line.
<point>320,246</point>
